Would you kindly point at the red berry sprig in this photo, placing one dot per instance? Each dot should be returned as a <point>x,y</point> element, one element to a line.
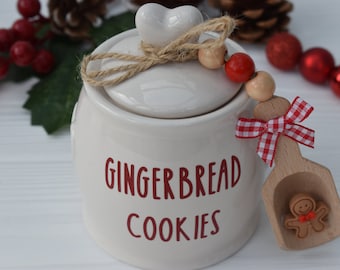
<point>284,51</point>
<point>29,8</point>
<point>20,46</point>
<point>22,53</point>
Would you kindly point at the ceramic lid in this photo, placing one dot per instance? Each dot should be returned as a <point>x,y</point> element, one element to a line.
<point>173,90</point>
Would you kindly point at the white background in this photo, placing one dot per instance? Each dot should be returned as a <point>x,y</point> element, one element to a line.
<point>41,225</point>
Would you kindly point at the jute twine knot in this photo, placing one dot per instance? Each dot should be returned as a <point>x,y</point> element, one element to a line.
<point>182,49</point>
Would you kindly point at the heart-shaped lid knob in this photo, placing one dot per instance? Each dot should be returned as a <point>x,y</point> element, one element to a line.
<point>172,90</point>
<point>158,25</point>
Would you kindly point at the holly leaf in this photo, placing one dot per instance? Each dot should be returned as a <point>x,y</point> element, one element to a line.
<point>52,99</point>
<point>19,74</point>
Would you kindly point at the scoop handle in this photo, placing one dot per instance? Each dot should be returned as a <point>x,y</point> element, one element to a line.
<point>287,150</point>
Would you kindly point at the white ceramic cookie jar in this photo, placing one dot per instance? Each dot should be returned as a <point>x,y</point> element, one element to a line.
<point>165,183</point>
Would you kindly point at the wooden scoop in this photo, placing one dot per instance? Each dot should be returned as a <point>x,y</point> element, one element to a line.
<point>294,174</point>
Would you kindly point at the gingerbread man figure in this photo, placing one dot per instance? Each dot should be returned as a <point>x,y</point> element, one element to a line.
<point>306,215</point>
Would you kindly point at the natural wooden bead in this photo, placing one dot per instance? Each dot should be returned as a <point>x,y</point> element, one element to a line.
<point>211,58</point>
<point>261,87</point>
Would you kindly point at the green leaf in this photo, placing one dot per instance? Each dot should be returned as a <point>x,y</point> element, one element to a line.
<point>43,30</point>
<point>62,47</point>
<point>52,99</point>
<point>19,74</point>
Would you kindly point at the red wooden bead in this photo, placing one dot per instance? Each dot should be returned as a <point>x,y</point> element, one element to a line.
<point>283,51</point>
<point>316,65</point>
<point>239,67</point>
<point>335,81</point>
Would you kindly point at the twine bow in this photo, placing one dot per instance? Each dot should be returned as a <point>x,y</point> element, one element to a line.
<point>182,49</point>
<point>270,131</point>
<point>308,217</point>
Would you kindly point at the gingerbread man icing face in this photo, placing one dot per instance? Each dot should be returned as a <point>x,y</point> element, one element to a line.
<point>303,206</point>
<point>306,216</point>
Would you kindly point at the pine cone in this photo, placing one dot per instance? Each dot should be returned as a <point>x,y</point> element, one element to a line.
<point>257,20</point>
<point>168,3</point>
<point>75,18</point>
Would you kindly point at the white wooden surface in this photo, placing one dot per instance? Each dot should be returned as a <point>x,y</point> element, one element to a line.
<point>41,224</point>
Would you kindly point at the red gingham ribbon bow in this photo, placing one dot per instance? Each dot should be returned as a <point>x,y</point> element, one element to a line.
<point>270,131</point>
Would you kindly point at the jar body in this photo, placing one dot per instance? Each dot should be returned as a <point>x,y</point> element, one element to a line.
<point>166,193</point>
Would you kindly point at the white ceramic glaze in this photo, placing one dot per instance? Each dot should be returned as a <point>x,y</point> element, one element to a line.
<point>179,193</point>
<point>158,25</point>
<point>174,90</point>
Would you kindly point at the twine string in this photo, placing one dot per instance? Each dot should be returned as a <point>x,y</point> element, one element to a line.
<point>182,49</point>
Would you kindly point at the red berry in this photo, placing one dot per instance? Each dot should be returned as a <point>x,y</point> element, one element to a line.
<point>240,67</point>
<point>22,53</point>
<point>4,66</point>
<point>43,62</point>
<point>316,65</point>
<point>23,29</point>
<point>335,81</point>
<point>283,51</point>
<point>28,8</point>
<point>6,39</point>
